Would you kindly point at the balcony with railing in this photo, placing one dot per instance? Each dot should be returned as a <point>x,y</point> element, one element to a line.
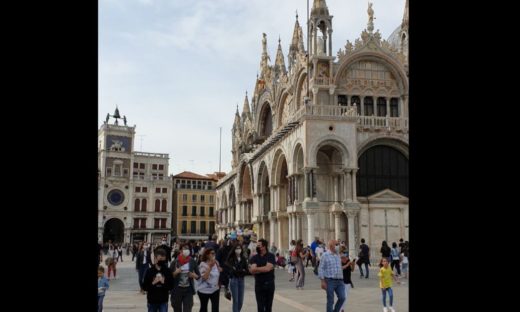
<point>152,178</point>
<point>155,155</point>
<point>350,112</point>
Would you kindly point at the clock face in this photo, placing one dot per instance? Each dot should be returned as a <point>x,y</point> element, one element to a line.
<point>115,197</point>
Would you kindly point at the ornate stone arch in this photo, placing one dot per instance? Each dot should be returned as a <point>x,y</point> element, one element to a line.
<point>280,151</point>
<point>334,141</point>
<point>393,66</point>
<point>264,122</point>
<point>223,199</point>
<point>244,169</point>
<point>260,178</point>
<point>295,155</point>
<point>383,139</point>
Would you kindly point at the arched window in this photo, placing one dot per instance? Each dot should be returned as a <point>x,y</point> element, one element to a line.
<point>137,205</point>
<point>394,107</point>
<point>369,106</point>
<point>157,205</point>
<point>381,107</point>
<point>143,205</point>
<point>164,205</point>
<point>382,167</point>
<point>266,126</point>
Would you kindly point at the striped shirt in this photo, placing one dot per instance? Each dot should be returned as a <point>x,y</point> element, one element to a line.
<point>330,266</point>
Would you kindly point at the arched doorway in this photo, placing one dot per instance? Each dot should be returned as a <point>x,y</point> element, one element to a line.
<point>232,205</point>
<point>264,201</point>
<point>281,184</point>
<point>246,202</point>
<point>329,179</point>
<point>114,231</point>
<point>382,187</point>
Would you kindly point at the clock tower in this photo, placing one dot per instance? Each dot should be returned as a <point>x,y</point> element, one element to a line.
<point>115,153</point>
<point>135,190</point>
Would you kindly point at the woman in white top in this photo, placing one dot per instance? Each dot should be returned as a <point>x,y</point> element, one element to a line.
<point>292,267</point>
<point>208,288</point>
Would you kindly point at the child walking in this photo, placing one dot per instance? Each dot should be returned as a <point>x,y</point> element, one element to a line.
<point>385,283</point>
<point>102,287</point>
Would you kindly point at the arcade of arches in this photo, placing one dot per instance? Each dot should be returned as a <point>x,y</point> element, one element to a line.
<point>348,203</point>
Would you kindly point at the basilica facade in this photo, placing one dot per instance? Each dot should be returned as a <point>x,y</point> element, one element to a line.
<point>322,148</point>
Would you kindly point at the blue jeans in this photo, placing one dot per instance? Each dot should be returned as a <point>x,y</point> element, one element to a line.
<point>390,293</point>
<point>141,274</point>
<point>236,285</point>
<point>335,285</point>
<point>158,307</point>
<point>100,303</point>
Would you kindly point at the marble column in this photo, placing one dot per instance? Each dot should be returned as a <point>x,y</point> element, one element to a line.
<point>313,184</point>
<point>279,230</point>
<point>351,214</point>
<point>347,185</point>
<point>330,42</point>
<point>337,225</point>
<point>272,230</point>
<point>310,227</point>
<point>307,195</point>
<point>334,187</point>
<point>354,191</point>
<point>388,107</point>
<point>299,227</point>
<point>290,227</point>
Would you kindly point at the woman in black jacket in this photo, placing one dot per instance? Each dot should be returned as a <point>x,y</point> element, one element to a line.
<point>385,252</point>
<point>237,267</point>
<point>143,262</point>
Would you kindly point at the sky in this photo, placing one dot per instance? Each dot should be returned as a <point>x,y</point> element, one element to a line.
<point>178,69</point>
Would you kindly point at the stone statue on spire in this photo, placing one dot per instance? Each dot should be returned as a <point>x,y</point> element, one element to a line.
<point>370,12</point>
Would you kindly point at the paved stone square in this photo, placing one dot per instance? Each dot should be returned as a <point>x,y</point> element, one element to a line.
<point>124,295</point>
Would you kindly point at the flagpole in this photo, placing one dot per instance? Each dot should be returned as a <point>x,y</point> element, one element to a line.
<point>220,150</point>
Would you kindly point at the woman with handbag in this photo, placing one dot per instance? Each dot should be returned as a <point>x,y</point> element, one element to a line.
<point>300,254</point>
<point>238,268</point>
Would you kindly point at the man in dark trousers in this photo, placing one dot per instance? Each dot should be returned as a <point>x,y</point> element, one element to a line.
<point>158,281</point>
<point>222,256</point>
<point>363,258</point>
<point>143,262</point>
<point>262,268</point>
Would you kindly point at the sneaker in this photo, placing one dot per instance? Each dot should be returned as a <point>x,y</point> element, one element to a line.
<point>385,309</point>
<point>392,309</point>
<point>361,276</point>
